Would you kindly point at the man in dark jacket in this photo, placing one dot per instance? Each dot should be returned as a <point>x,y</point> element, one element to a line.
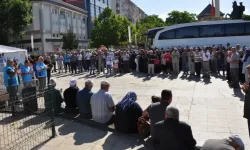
<point>173,134</point>
<point>246,89</point>
<point>70,96</point>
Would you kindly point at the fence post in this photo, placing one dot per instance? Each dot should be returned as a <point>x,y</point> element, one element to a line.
<point>52,116</point>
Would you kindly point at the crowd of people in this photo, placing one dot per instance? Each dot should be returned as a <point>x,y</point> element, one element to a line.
<point>159,119</point>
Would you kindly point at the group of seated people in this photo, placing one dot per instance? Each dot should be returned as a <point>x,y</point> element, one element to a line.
<point>165,128</point>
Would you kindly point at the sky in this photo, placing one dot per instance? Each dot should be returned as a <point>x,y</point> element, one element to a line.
<point>163,7</point>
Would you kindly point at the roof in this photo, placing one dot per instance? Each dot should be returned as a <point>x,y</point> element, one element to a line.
<point>7,49</point>
<point>207,10</point>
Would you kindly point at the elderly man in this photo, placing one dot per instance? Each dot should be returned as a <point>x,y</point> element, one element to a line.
<point>11,83</point>
<point>206,62</point>
<point>173,134</point>
<point>151,66</point>
<point>102,105</point>
<point>41,73</point>
<point>83,100</point>
<point>175,61</point>
<point>234,68</point>
<point>70,96</point>
<point>233,142</point>
<point>56,96</point>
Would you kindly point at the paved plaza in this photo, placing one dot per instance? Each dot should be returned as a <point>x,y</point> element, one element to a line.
<point>211,108</point>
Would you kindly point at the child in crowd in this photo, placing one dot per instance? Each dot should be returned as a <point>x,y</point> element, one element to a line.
<point>116,62</point>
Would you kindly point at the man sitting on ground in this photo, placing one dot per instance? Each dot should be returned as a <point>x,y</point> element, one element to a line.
<point>70,96</point>
<point>173,134</point>
<point>102,105</point>
<point>156,111</point>
<point>232,143</point>
<point>56,96</point>
<point>83,100</point>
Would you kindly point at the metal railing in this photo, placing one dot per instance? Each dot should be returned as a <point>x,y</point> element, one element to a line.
<point>27,121</point>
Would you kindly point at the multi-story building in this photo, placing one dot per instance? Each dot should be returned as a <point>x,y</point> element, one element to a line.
<point>129,9</point>
<point>51,19</point>
<point>94,8</point>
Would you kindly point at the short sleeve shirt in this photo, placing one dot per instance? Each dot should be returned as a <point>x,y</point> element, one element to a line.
<point>156,113</point>
<point>100,102</point>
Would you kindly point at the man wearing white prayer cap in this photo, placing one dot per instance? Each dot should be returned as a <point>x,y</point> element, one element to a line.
<point>70,95</point>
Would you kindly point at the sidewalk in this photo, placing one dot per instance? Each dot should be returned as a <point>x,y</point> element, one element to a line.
<point>73,136</point>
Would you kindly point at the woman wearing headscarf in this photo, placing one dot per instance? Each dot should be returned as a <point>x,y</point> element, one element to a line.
<point>246,62</point>
<point>127,113</point>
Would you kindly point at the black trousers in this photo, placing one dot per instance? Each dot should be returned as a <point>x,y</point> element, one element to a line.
<point>198,68</point>
<point>87,65</point>
<point>73,67</point>
<point>66,65</point>
<point>54,65</point>
<point>48,75</point>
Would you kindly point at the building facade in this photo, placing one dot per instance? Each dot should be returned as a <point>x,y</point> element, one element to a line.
<point>129,9</point>
<point>51,19</point>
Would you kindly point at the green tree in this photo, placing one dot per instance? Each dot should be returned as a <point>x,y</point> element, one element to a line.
<point>105,30</point>
<point>15,15</point>
<point>149,22</point>
<point>246,17</point>
<point>177,17</point>
<point>70,41</point>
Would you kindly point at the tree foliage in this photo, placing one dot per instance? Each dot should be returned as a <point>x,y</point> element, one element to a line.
<point>177,17</point>
<point>110,29</point>
<point>246,17</point>
<point>70,41</point>
<point>145,24</point>
<point>15,15</point>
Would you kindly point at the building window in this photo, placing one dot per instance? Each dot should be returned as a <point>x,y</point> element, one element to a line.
<point>104,1</point>
<point>57,35</point>
<point>62,15</point>
<point>54,35</point>
<point>100,10</point>
<point>55,11</point>
<point>74,17</point>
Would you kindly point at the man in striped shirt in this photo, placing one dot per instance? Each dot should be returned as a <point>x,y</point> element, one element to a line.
<point>102,105</point>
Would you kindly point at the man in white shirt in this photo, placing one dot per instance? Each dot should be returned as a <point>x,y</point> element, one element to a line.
<point>60,60</point>
<point>79,62</point>
<point>87,58</point>
<point>125,58</point>
<point>206,56</point>
<point>102,105</point>
<point>109,61</point>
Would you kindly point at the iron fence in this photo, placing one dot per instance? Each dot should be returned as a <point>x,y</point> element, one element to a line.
<point>27,121</point>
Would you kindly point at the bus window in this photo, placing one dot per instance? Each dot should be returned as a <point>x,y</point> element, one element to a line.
<point>167,35</point>
<point>235,29</point>
<point>248,28</point>
<point>187,32</point>
<point>211,30</point>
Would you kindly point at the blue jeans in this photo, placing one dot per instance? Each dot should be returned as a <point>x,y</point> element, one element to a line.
<point>220,65</point>
<point>108,69</point>
<point>92,69</point>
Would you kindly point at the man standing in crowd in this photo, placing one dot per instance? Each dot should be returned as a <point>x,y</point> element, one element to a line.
<point>168,59</point>
<point>42,73</point>
<point>176,61</point>
<point>60,63</point>
<point>109,64</point>
<point>191,64</point>
<point>47,62</point>
<point>70,96</point>
<point>220,61</point>
<point>125,59</point>
<point>233,142</point>
<point>53,61</point>
<point>151,66</point>
<point>87,59</point>
<point>234,68</point>
<point>156,111</point>
<point>100,59</point>
<point>11,83</point>
<point>27,74</point>
<point>73,62</point>
<point>79,62</point>
<point>83,100</point>
<point>197,62</point>
<point>173,134</point>
<point>206,62</point>
<point>102,105</point>
<point>66,62</point>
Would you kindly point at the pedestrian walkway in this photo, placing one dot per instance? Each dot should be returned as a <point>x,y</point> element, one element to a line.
<point>211,108</point>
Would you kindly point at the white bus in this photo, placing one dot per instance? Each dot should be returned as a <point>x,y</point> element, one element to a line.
<point>207,33</point>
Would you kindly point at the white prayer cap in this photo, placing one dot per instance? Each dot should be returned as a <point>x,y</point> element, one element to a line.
<point>73,82</point>
<point>53,82</point>
<point>105,83</point>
